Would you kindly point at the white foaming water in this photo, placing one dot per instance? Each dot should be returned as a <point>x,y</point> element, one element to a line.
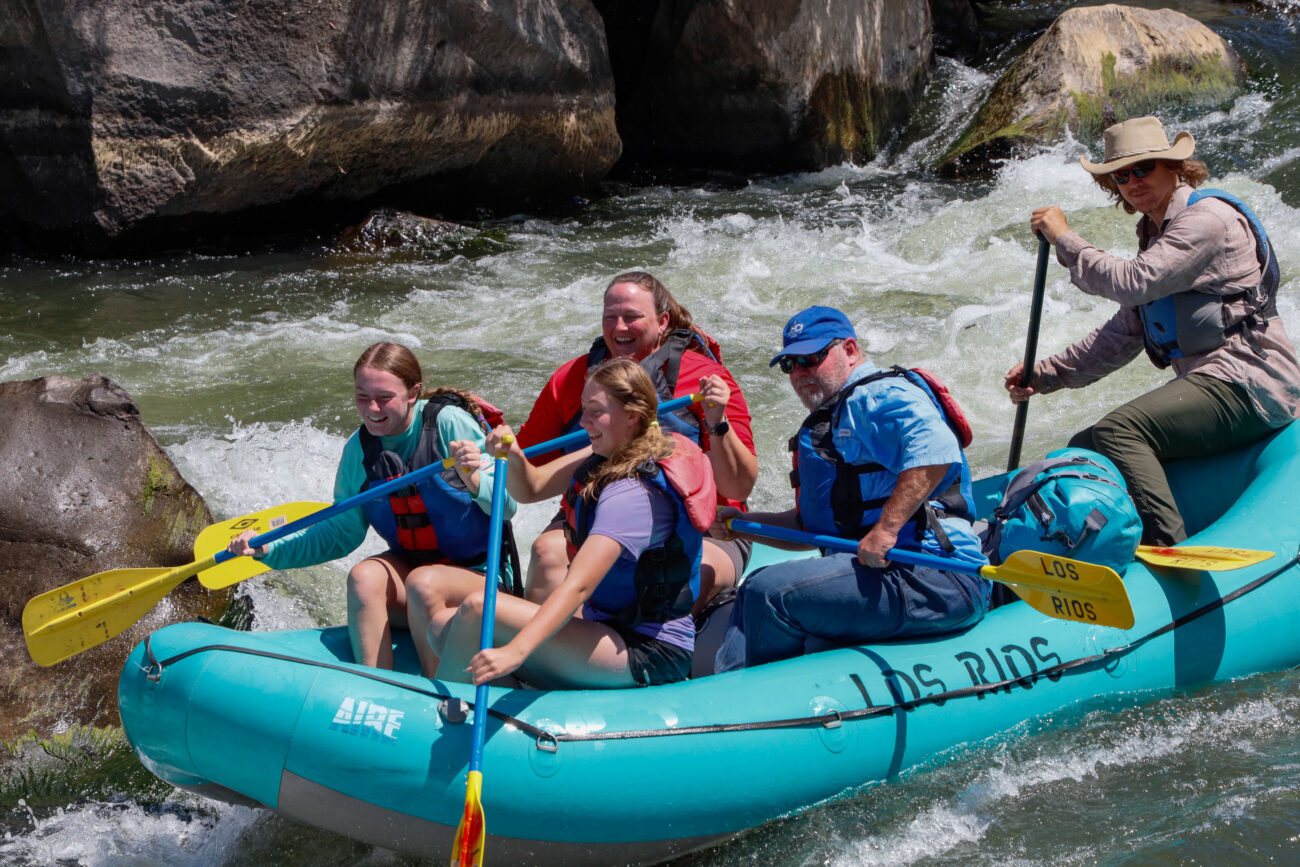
<point>118,835</point>
<point>257,464</point>
<point>261,465</point>
<point>1137,742</point>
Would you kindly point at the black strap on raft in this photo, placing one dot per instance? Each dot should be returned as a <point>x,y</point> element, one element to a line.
<point>550,741</point>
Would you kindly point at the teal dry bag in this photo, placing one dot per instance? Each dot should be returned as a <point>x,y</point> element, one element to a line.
<point>1073,503</point>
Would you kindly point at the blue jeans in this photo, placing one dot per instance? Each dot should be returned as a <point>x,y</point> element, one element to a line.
<point>792,608</point>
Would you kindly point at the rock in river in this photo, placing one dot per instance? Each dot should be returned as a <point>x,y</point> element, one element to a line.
<point>84,488</point>
<point>1094,66</point>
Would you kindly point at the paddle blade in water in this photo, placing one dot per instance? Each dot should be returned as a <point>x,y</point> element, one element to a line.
<point>467,849</point>
<point>1066,589</point>
<point>1203,558</point>
<point>67,620</point>
<point>216,537</point>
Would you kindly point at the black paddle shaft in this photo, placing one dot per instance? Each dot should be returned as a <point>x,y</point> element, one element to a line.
<point>1031,349</point>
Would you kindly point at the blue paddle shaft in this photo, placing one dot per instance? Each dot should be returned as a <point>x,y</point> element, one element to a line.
<point>577,438</point>
<point>848,546</point>
<point>479,733</point>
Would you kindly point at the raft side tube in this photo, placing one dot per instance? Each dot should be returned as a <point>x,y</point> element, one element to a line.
<point>249,708</point>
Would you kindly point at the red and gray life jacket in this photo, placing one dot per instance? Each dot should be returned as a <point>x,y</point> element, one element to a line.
<point>663,583</point>
<point>836,497</point>
<point>435,520</point>
<point>1190,322</point>
<point>664,366</point>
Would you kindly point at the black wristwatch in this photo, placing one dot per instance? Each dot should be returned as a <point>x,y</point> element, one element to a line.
<point>721,428</point>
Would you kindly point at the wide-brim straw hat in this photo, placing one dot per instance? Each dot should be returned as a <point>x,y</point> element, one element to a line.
<point>1138,139</point>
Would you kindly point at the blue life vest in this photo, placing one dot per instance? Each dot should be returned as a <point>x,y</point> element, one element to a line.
<point>435,520</point>
<point>664,366</point>
<point>836,497</point>
<point>1190,323</point>
<point>663,583</point>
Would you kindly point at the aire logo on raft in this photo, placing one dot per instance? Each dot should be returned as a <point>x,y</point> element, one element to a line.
<point>360,717</point>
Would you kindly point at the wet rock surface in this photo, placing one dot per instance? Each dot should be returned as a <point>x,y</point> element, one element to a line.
<point>1092,67</point>
<point>84,488</point>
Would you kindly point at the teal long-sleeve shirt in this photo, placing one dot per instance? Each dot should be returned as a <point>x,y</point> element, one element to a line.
<point>341,535</point>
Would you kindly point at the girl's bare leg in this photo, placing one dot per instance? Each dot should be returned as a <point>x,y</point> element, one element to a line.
<point>548,563</point>
<point>376,602</point>
<point>583,654</point>
<point>431,590</point>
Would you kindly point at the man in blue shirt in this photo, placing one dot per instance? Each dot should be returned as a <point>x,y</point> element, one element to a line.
<point>875,461</point>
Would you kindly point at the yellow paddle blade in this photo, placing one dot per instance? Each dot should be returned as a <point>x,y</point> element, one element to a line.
<point>467,848</point>
<point>1203,558</point>
<point>67,620</point>
<point>215,538</point>
<point>1066,589</point>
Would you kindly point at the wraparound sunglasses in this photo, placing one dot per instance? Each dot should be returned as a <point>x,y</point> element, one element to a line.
<point>1139,170</point>
<point>790,362</point>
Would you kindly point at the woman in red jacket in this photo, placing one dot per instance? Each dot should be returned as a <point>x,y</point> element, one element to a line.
<point>641,320</point>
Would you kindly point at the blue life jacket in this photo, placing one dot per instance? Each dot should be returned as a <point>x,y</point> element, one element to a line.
<point>435,520</point>
<point>664,366</point>
<point>1190,322</point>
<point>836,497</point>
<point>663,583</point>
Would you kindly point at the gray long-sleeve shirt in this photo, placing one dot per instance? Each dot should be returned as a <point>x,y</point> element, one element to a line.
<point>1208,248</point>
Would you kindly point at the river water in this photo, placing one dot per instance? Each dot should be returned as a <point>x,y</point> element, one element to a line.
<point>240,365</point>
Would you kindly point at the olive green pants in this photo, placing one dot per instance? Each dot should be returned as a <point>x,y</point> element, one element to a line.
<point>1189,417</point>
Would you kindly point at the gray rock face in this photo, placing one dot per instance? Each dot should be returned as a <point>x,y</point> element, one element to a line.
<point>772,84</point>
<point>114,114</point>
<point>132,122</point>
<point>1095,66</point>
<point>84,488</point>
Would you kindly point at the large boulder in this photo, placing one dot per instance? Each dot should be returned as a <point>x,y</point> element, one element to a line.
<point>142,114</point>
<point>84,488</point>
<point>1096,65</point>
<point>767,84</point>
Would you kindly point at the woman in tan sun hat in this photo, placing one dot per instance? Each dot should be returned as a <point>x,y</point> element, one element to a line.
<point>1199,296</point>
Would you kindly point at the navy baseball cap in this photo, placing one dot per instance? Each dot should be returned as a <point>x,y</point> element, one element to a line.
<point>811,330</point>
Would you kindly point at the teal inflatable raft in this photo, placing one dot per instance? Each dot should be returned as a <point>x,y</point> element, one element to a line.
<point>284,720</point>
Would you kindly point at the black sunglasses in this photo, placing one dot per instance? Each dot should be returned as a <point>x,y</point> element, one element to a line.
<point>1140,170</point>
<point>790,362</point>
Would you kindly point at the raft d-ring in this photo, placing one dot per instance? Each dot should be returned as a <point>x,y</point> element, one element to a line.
<point>153,669</point>
<point>547,742</point>
<point>829,712</point>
